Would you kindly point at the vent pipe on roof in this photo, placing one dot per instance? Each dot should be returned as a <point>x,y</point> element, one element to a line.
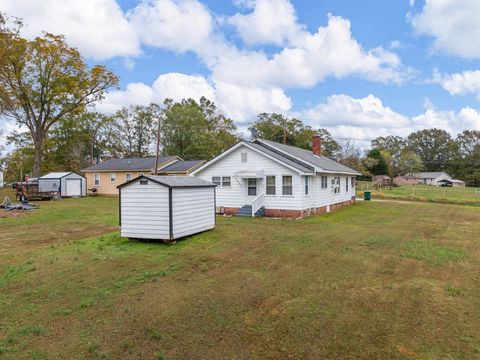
<point>317,145</point>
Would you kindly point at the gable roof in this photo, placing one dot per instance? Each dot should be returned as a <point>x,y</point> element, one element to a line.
<point>55,175</point>
<point>306,156</point>
<point>173,181</point>
<point>430,175</point>
<point>129,164</point>
<point>182,166</point>
<point>301,160</point>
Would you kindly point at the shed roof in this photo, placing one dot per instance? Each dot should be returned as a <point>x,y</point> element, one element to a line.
<point>173,181</point>
<point>182,165</point>
<point>309,158</point>
<point>55,175</point>
<point>129,164</point>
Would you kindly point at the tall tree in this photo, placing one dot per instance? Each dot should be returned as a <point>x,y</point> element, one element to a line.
<point>377,164</point>
<point>292,131</point>
<point>195,130</point>
<point>394,145</point>
<point>132,130</point>
<point>434,146</point>
<point>43,80</point>
<point>410,162</point>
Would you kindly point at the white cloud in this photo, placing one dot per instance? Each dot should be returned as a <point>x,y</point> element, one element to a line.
<point>97,28</point>
<point>454,25</point>
<point>270,22</point>
<point>179,25</point>
<point>466,82</point>
<point>242,103</point>
<point>368,117</point>
<point>331,51</point>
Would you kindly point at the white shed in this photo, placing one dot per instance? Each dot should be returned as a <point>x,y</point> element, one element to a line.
<point>166,207</point>
<point>63,183</point>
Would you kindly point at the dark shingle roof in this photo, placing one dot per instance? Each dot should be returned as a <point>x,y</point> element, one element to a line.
<point>291,162</point>
<point>181,165</point>
<point>308,157</point>
<point>128,164</point>
<point>174,181</point>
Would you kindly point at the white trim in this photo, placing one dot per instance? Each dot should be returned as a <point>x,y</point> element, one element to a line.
<point>244,143</point>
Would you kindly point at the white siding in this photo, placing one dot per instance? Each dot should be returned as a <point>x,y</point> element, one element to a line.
<point>235,196</point>
<point>323,197</point>
<point>144,211</point>
<point>193,210</point>
<point>73,176</point>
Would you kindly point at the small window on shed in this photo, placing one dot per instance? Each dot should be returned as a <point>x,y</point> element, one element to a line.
<point>244,157</point>
<point>143,182</point>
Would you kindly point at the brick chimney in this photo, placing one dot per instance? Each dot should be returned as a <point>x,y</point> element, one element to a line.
<point>317,145</point>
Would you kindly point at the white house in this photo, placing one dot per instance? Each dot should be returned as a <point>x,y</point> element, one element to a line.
<point>432,178</point>
<point>266,178</point>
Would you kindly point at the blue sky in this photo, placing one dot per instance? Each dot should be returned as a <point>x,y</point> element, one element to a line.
<point>359,68</point>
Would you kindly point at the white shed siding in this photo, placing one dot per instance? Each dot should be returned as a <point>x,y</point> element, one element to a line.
<point>193,210</point>
<point>144,211</point>
<point>235,195</point>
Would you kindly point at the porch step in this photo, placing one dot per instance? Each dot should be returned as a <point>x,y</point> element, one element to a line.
<point>246,210</point>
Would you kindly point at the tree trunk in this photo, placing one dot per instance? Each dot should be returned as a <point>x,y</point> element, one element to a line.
<point>38,143</point>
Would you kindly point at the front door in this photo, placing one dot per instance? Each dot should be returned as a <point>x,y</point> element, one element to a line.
<point>252,190</point>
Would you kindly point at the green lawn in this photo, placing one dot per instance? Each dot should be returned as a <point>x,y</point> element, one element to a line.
<point>455,195</point>
<point>373,280</point>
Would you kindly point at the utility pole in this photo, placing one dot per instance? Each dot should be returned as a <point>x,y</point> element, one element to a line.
<point>158,147</point>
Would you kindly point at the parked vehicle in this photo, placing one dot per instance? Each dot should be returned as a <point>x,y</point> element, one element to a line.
<point>28,190</point>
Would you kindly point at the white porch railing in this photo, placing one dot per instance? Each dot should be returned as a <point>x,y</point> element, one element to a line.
<point>257,204</point>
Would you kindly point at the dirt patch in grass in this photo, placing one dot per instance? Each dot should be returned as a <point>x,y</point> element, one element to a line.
<point>13,213</point>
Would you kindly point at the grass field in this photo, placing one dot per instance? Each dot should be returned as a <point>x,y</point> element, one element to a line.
<point>454,195</point>
<point>373,280</point>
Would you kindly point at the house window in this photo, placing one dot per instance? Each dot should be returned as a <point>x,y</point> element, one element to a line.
<point>287,182</point>
<point>252,187</point>
<point>324,181</point>
<point>353,183</point>
<point>244,157</point>
<point>336,185</point>
<point>346,184</point>
<point>226,182</point>
<point>216,180</point>
<point>97,180</point>
<point>113,177</point>
<point>271,185</point>
<point>128,176</point>
<point>306,185</point>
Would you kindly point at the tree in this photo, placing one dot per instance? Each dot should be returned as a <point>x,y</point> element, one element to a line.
<point>131,130</point>
<point>466,165</point>
<point>43,80</point>
<point>410,162</point>
<point>376,163</point>
<point>394,145</point>
<point>351,156</point>
<point>292,131</point>
<point>194,130</point>
<point>434,146</point>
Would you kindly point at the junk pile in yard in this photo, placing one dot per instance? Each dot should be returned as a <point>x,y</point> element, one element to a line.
<point>9,206</point>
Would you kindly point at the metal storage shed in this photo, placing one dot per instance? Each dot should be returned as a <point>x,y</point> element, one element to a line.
<point>63,183</point>
<point>166,207</point>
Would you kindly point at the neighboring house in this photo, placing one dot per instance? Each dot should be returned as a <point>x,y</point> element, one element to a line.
<point>382,180</point>
<point>1,177</point>
<point>278,180</point>
<point>405,180</point>
<point>431,178</point>
<point>107,175</point>
<point>185,167</point>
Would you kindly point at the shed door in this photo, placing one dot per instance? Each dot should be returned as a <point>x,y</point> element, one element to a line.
<point>73,187</point>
